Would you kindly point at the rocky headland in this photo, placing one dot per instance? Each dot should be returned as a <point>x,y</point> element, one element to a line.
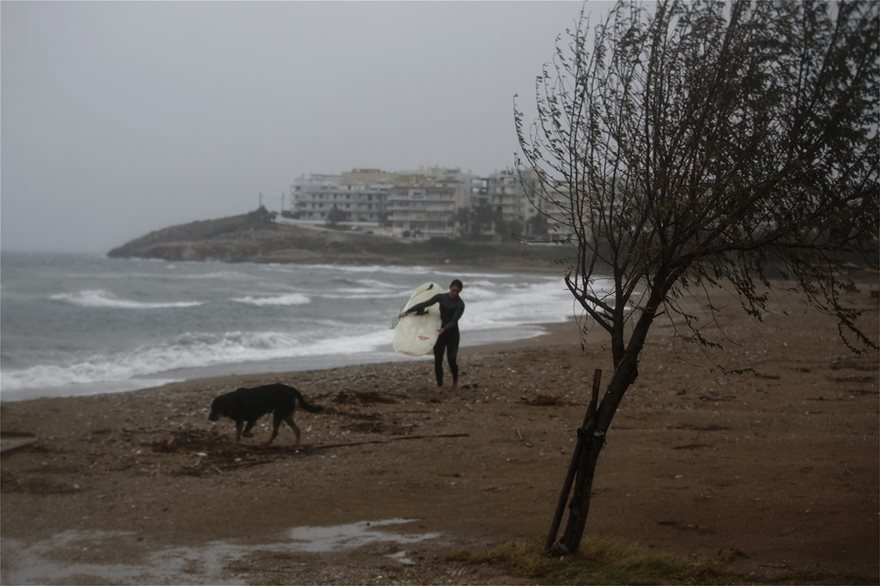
<point>257,237</point>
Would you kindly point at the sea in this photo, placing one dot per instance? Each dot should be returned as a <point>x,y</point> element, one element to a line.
<point>81,324</point>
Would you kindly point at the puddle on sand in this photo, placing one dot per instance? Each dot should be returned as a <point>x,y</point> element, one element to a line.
<point>81,557</point>
<point>50,561</point>
<point>338,537</point>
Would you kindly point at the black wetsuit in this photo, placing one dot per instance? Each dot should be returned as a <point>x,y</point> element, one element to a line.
<point>451,308</point>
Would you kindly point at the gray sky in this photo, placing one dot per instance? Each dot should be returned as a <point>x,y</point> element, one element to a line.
<point>119,118</point>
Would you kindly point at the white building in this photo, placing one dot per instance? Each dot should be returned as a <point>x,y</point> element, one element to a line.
<point>431,202</point>
<point>358,196</point>
<point>423,204</point>
<point>422,211</point>
<point>506,197</point>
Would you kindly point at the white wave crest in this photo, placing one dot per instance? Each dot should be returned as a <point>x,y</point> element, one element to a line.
<point>518,305</point>
<point>287,299</point>
<point>371,269</point>
<point>102,298</point>
<point>364,288</point>
<point>191,350</point>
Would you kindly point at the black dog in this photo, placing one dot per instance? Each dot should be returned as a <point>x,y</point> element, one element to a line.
<point>247,405</point>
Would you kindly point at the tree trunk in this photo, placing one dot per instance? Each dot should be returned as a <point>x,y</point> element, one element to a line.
<point>591,440</point>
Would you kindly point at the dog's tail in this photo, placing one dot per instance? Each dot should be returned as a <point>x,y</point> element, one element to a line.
<point>301,402</point>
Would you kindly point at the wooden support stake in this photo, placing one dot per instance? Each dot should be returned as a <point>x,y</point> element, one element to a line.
<point>589,416</point>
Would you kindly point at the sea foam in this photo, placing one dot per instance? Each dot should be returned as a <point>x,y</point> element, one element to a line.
<point>190,350</point>
<point>287,299</point>
<point>102,298</point>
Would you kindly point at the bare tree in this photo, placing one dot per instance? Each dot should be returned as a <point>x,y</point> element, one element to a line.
<point>702,143</point>
<point>335,216</point>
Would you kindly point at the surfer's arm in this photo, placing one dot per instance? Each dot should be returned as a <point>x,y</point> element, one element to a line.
<point>422,305</point>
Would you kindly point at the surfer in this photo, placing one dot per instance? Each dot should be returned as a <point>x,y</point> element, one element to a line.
<point>451,309</point>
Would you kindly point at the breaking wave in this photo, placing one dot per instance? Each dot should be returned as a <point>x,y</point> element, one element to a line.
<point>287,299</point>
<point>189,350</point>
<point>103,298</point>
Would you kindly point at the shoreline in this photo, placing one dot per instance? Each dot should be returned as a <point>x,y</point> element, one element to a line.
<point>276,367</point>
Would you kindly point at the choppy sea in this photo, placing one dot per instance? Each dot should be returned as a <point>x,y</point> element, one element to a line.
<point>75,324</point>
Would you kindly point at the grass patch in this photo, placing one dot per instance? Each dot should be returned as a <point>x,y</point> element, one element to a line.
<point>601,561</point>
<point>604,561</point>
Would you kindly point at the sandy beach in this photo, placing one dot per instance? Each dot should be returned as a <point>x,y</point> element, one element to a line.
<point>765,473</point>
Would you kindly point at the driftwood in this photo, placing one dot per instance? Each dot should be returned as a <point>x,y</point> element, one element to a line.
<point>380,441</point>
<point>14,441</point>
<point>250,456</point>
<point>523,439</point>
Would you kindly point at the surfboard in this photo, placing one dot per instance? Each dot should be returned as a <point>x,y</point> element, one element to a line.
<point>416,334</point>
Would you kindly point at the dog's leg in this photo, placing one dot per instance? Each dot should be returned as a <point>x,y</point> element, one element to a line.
<point>276,423</point>
<point>238,426</point>
<point>294,427</point>
<point>247,430</point>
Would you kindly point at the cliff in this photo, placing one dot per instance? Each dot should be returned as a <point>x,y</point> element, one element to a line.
<point>255,237</point>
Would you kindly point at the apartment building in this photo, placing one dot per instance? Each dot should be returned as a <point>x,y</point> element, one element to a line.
<point>422,211</point>
<point>424,203</point>
<point>357,196</point>
<point>500,204</point>
<point>430,202</point>
<point>413,204</point>
<point>506,197</point>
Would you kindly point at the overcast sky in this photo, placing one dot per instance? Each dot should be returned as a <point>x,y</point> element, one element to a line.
<point>119,118</point>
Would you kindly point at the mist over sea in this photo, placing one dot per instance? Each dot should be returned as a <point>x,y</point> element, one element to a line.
<point>73,324</point>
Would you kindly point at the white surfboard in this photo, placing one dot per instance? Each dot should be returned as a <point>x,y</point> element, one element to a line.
<point>415,334</point>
